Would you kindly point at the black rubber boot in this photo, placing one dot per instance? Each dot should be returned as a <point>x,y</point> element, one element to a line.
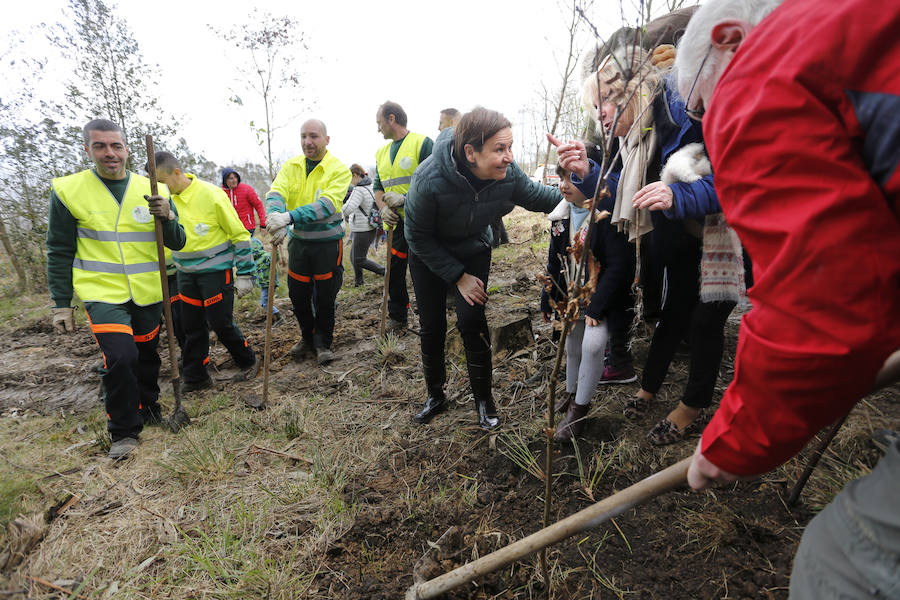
<point>435,374</point>
<point>479,364</point>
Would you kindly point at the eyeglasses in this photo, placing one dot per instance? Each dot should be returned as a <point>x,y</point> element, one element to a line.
<point>696,113</point>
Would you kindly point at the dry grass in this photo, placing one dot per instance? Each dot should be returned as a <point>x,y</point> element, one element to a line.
<point>196,515</point>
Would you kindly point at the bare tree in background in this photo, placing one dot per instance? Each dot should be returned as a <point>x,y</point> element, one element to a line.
<point>270,46</point>
<point>560,101</point>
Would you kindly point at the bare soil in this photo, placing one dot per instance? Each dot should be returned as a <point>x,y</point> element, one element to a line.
<point>412,484</point>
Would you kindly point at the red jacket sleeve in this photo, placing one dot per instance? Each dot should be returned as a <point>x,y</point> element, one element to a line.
<point>257,205</point>
<point>819,217</point>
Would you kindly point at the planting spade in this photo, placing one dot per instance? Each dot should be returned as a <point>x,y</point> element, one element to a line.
<point>179,417</point>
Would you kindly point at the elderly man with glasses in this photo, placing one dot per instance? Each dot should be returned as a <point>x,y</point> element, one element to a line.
<point>802,123</point>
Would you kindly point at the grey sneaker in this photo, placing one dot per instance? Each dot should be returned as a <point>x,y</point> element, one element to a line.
<point>301,350</point>
<point>324,356</point>
<point>122,448</point>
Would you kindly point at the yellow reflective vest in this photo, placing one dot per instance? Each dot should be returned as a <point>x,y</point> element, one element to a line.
<point>216,239</point>
<point>395,176</point>
<point>115,252</point>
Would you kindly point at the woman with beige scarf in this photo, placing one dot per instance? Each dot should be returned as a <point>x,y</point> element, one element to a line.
<point>633,104</point>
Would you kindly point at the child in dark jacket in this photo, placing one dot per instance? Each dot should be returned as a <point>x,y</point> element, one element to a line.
<point>606,316</point>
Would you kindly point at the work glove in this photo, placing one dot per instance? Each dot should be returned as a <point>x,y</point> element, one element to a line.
<point>64,319</point>
<point>390,218</point>
<point>393,199</point>
<point>663,56</point>
<point>277,220</point>
<point>243,285</point>
<point>159,207</point>
<point>276,236</point>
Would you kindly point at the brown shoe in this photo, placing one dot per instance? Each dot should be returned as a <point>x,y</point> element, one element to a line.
<point>563,401</point>
<point>573,423</point>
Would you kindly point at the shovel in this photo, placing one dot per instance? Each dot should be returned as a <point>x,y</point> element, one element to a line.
<point>254,400</point>
<point>179,417</point>
<point>592,516</point>
<point>387,279</point>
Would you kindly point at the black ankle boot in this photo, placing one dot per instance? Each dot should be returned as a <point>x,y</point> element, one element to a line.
<point>479,364</point>
<point>487,413</point>
<point>436,403</point>
<point>435,374</point>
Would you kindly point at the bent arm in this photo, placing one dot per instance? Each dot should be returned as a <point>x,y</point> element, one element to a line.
<point>421,234</point>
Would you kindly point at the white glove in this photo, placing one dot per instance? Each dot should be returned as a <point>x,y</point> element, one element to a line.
<point>393,199</point>
<point>389,217</point>
<point>243,285</point>
<point>277,220</point>
<point>64,319</point>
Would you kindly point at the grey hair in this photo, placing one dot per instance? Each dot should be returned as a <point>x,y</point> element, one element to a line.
<point>694,45</point>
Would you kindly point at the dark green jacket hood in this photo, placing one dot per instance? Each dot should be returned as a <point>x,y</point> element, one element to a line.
<point>447,221</point>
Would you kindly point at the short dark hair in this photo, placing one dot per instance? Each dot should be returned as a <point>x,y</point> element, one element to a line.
<point>450,112</point>
<point>100,125</point>
<point>475,127</point>
<point>392,108</point>
<point>166,160</point>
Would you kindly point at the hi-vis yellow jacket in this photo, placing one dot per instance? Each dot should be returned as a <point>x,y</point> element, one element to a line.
<point>115,255</point>
<point>216,238</point>
<point>314,200</point>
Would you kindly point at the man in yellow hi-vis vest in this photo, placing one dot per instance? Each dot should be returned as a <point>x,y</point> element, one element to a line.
<point>101,245</point>
<point>217,242</point>
<point>305,203</point>
<point>395,164</point>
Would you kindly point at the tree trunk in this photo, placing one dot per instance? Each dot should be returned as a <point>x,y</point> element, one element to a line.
<point>7,247</point>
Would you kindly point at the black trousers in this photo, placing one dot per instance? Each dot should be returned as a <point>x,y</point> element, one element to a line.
<point>398,296</point>
<point>127,335</point>
<point>618,321</point>
<point>175,306</point>
<point>207,302</point>
<point>431,301</point>
<point>315,275</point>
<point>704,325</point>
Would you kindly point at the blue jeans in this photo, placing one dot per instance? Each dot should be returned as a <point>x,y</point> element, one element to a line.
<point>264,299</point>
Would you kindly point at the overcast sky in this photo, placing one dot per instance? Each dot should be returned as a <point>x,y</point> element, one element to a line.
<point>424,55</point>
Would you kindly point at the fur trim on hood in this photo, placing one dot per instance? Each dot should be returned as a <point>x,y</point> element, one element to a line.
<point>561,211</point>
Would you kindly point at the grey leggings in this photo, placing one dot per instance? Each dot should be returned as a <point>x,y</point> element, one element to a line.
<point>584,359</point>
<point>361,241</point>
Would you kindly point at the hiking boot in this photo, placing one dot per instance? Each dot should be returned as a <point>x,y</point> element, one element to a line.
<point>122,448</point>
<point>152,415</point>
<point>613,374</point>
<point>301,350</point>
<point>196,386</point>
<point>573,423</point>
<point>394,326</point>
<point>563,402</point>
<point>324,355</point>
<point>249,373</point>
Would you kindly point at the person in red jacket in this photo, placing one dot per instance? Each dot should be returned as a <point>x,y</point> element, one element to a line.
<point>803,132</point>
<point>244,200</point>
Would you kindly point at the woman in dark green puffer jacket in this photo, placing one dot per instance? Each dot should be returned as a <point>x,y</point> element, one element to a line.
<point>469,181</point>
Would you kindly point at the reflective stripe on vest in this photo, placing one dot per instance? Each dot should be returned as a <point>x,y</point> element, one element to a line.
<point>115,252</point>
<point>396,176</point>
